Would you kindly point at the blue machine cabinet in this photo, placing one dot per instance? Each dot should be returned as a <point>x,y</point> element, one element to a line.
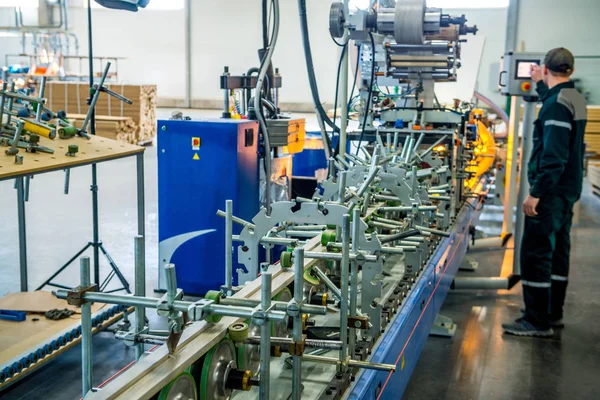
<point>201,164</point>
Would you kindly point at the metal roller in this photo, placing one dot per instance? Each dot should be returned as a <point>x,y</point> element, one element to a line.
<point>248,355</point>
<point>409,22</point>
<point>213,370</point>
<point>337,19</point>
<point>181,388</point>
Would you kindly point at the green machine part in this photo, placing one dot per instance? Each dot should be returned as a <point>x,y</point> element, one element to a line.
<point>209,371</point>
<point>215,296</point>
<point>182,387</point>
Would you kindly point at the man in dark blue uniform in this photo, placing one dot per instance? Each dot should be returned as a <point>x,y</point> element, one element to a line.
<point>556,178</point>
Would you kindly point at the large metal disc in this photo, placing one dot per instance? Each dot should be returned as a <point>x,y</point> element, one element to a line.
<point>337,19</point>
<point>249,354</point>
<point>409,21</point>
<point>181,388</point>
<point>215,369</point>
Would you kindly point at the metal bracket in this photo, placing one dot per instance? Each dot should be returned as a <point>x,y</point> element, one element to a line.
<point>75,296</point>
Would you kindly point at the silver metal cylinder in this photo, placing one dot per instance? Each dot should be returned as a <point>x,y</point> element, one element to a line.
<point>344,267</point>
<point>86,330</point>
<point>265,334</point>
<point>140,290</point>
<point>354,277</point>
<point>297,330</point>
<point>42,92</point>
<point>171,279</point>
<point>228,246</point>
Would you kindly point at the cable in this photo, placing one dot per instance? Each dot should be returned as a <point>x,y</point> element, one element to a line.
<point>358,55</point>
<point>265,28</point>
<point>337,91</point>
<point>310,67</point>
<point>372,83</point>
<point>258,102</point>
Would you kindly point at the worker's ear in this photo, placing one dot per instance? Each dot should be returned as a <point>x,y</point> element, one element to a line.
<point>545,70</point>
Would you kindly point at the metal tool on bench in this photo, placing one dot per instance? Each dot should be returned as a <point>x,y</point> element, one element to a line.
<point>95,92</point>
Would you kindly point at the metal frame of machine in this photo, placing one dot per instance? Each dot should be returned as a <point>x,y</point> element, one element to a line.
<point>379,243</point>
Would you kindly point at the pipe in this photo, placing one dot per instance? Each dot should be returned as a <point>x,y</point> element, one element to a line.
<point>350,363</point>
<point>140,290</point>
<point>354,277</point>
<point>498,110</point>
<point>297,330</point>
<point>266,62</point>
<point>86,330</point>
<point>308,343</point>
<point>344,291</point>
<point>228,246</point>
<point>265,333</point>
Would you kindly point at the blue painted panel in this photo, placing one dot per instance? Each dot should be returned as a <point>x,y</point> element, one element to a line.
<point>193,183</point>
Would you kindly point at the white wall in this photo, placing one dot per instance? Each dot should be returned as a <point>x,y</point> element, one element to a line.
<point>546,24</point>
<point>153,42</point>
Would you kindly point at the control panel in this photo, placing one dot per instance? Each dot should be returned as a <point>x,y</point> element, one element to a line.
<point>515,73</point>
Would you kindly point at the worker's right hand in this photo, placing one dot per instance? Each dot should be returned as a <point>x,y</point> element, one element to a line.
<point>536,73</point>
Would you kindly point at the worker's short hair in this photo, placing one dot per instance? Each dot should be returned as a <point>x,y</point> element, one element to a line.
<point>560,62</point>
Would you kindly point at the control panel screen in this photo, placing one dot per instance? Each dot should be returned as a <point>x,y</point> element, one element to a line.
<point>524,68</point>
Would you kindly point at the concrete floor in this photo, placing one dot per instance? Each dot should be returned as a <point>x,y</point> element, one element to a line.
<point>478,363</point>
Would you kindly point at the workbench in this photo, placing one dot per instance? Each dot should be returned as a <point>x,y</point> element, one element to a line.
<point>59,335</point>
<point>91,152</point>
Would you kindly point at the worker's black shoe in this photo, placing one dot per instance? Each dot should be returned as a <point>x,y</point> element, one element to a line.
<point>521,327</point>
<point>556,323</point>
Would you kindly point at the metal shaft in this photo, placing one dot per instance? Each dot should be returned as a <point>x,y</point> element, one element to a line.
<point>265,334</point>
<point>237,220</point>
<point>22,233</point>
<point>344,290</point>
<point>228,246</point>
<point>38,114</point>
<point>350,363</point>
<point>171,279</point>
<point>88,116</point>
<point>86,331</point>
<point>297,330</point>
<point>2,101</point>
<point>140,290</point>
<point>354,277</point>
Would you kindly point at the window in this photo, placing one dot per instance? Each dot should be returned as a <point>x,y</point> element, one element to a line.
<point>467,3</point>
<point>19,3</point>
<point>364,4</point>
<point>153,5</point>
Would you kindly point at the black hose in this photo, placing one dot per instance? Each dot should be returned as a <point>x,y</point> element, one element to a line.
<point>310,67</point>
<point>362,133</point>
<point>249,90</point>
<point>337,91</point>
<point>265,24</point>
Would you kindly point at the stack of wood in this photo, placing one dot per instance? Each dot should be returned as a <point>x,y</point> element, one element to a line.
<point>118,128</point>
<point>592,131</point>
<point>135,123</point>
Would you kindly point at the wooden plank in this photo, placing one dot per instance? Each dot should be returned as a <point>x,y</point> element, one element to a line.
<point>95,150</point>
<point>157,369</point>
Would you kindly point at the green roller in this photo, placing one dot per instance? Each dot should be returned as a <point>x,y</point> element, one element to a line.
<point>67,132</point>
<point>327,237</point>
<point>248,355</point>
<point>238,332</point>
<point>334,227</point>
<point>286,259</point>
<point>308,277</point>
<point>215,296</point>
<point>215,363</point>
<point>391,203</point>
<point>182,387</point>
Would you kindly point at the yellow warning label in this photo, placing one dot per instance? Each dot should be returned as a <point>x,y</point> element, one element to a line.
<point>196,157</point>
<point>196,143</point>
<point>402,366</point>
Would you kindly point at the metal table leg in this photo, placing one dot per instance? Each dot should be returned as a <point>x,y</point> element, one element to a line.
<point>22,233</point>
<point>140,253</point>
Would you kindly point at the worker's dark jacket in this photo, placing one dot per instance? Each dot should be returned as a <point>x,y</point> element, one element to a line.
<point>556,163</point>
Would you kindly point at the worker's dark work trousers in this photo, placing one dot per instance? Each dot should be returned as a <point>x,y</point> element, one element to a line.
<point>545,259</point>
